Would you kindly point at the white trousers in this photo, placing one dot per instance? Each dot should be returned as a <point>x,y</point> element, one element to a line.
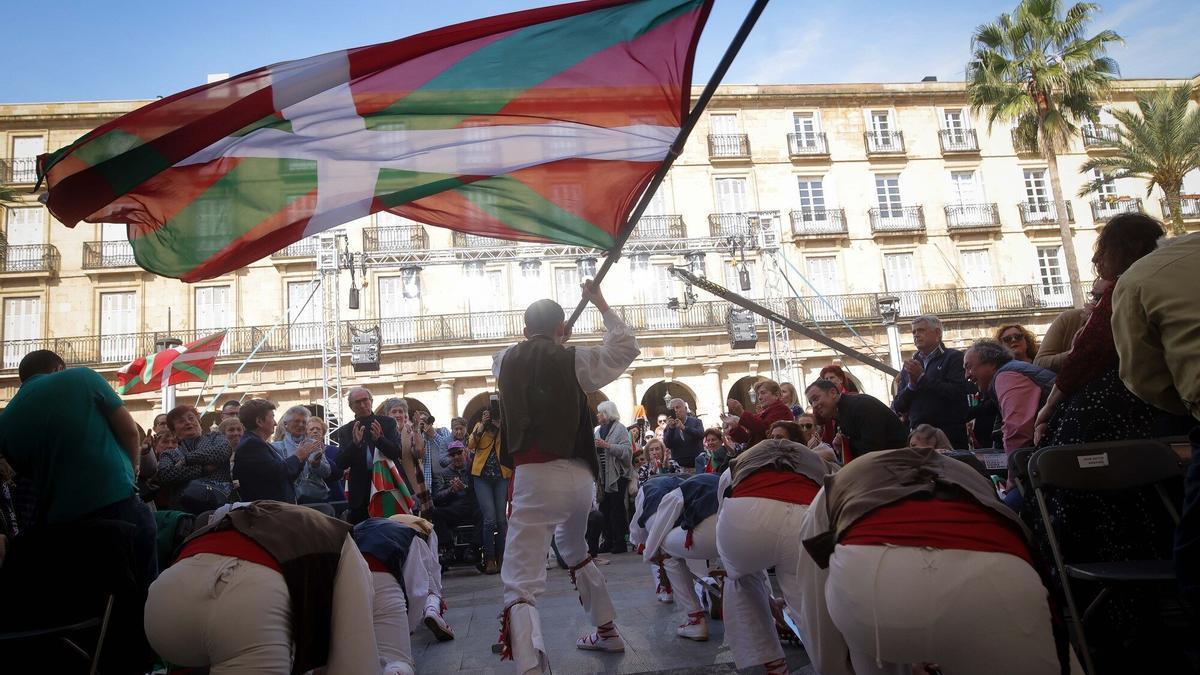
<point>754,534</point>
<point>550,498</point>
<point>422,577</point>
<point>967,611</point>
<point>219,611</point>
<point>687,564</point>
<point>390,618</point>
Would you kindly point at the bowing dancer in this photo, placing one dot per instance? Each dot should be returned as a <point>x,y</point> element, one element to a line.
<point>230,603</point>
<point>646,503</point>
<point>769,488</point>
<point>547,435</point>
<point>682,535</point>
<point>911,559</point>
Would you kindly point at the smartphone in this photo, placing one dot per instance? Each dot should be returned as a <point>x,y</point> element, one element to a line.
<point>494,407</point>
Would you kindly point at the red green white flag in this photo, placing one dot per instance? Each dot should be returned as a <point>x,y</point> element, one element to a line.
<point>192,362</point>
<point>389,493</point>
<point>542,126</point>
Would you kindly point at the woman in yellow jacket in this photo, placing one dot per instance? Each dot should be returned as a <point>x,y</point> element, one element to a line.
<point>491,488</point>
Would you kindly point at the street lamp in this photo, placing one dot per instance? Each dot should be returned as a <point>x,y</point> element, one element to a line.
<point>889,309</point>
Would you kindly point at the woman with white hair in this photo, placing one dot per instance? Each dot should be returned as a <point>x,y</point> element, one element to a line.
<point>614,449</point>
<point>310,485</point>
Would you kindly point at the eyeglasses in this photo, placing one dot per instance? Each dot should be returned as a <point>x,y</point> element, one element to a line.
<point>807,425</point>
<point>1009,339</point>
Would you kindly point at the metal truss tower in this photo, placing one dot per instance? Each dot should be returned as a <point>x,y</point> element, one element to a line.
<point>330,249</point>
<point>776,293</point>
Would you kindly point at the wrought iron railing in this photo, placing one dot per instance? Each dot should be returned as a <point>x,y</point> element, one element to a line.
<point>972,216</point>
<point>30,257</point>
<point>433,330</point>
<point>107,254</point>
<point>1189,207</point>
<point>18,170</point>
<point>897,219</point>
<point>395,238</point>
<point>1106,209</point>
<point>1042,213</point>
<point>464,240</point>
<point>728,146</point>
<point>884,142</point>
<point>741,224</point>
<point>808,144</point>
<point>659,228</point>
<point>811,221</point>
<point>1024,146</point>
<point>959,140</point>
<point>305,248</point>
<point>1100,135</point>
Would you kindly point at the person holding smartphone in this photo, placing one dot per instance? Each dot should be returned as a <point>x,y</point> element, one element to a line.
<point>490,479</point>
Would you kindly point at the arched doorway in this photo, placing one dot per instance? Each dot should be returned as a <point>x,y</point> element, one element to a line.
<point>473,411</point>
<point>656,397</point>
<point>742,391</point>
<point>414,406</point>
<point>594,399</point>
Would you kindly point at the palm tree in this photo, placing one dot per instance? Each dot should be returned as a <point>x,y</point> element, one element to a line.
<point>1160,145</point>
<point>1035,69</point>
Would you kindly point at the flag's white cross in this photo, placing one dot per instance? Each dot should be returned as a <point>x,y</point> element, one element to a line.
<point>314,95</point>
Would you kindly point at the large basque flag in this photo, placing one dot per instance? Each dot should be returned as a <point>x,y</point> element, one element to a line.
<point>192,362</point>
<point>544,125</point>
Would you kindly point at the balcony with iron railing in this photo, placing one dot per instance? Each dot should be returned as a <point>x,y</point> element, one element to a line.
<point>464,240</point>
<point>1189,207</point>
<point>29,258</point>
<point>820,222</point>
<point>728,146</point>
<point>1042,214</point>
<point>897,220</point>
<point>958,141</point>
<point>743,224</point>
<point>395,238</point>
<point>107,255</point>
<point>305,248</point>
<point>1107,209</point>
<point>972,217</point>
<point>884,142</point>
<point>808,145</point>
<point>19,170</point>
<point>659,228</point>
<point>1100,136</point>
<point>432,330</point>
<point>1023,146</point>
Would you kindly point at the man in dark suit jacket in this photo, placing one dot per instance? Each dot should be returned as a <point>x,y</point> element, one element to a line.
<point>357,441</point>
<point>933,384</point>
<point>865,422</point>
<point>261,470</point>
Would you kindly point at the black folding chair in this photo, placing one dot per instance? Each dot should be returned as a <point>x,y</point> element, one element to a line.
<point>1018,468</point>
<point>1112,467</point>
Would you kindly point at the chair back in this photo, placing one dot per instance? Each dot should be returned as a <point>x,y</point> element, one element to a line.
<point>1104,467</point>
<point>1018,467</point>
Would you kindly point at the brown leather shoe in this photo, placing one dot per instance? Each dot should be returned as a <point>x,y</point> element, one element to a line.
<point>490,567</point>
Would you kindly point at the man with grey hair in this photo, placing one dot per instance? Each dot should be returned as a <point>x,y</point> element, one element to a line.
<point>933,386</point>
<point>546,434</point>
<point>358,440</point>
<point>683,435</point>
<point>1019,389</point>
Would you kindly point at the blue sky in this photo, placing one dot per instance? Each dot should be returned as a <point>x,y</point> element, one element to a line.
<point>121,49</point>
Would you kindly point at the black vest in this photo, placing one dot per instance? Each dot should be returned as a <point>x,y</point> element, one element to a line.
<point>542,404</point>
<point>653,492</point>
<point>699,500</point>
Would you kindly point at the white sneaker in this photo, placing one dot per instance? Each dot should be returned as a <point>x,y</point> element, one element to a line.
<point>594,643</point>
<point>695,629</point>
<point>398,668</point>
<point>435,622</point>
<point>664,595</point>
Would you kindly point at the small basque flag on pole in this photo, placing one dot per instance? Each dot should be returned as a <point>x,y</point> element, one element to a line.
<point>192,362</point>
<point>544,126</point>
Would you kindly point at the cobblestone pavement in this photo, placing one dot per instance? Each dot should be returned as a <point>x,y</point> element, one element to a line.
<point>648,627</point>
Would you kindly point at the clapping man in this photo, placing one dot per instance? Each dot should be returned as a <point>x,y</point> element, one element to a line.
<point>358,440</point>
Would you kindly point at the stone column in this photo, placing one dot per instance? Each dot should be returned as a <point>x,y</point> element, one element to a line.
<point>624,396</point>
<point>445,407</point>
<point>713,396</point>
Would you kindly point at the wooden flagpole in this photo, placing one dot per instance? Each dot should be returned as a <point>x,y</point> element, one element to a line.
<point>685,130</point>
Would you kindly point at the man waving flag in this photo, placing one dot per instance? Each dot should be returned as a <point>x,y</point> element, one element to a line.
<point>544,126</point>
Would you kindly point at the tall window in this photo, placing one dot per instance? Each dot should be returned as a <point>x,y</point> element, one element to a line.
<point>529,286</point>
<point>25,150</point>
<point>485,300</point>
<point>954,122</point>
<point>967,205</point>
<point>214,312</point>
<point>812,198</point>
<point>567,293</point>
<point>1037,199</point>
<point>900,272</point>
<point>726,140</point>
<point>118,324</point>
<point>400,306</point>
<point>806,126</point>
<point>654,288</point>
<point>22,328</point>
<point>1053,284</point>
<point>733,278</point>
<point>26,232</point>
<point>304,314</point>
<point>731,195</point>
<point>977,274</point>
<point>823,275</point>
<point>887,195</point>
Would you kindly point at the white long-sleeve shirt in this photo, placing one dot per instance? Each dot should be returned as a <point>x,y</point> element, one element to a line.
<point>599,365</point>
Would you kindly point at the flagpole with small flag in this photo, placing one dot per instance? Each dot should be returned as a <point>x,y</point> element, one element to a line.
<point>166,367</point>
